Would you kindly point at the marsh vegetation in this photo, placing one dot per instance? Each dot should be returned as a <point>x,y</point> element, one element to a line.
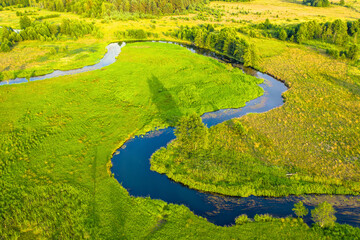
<point>57,135</point>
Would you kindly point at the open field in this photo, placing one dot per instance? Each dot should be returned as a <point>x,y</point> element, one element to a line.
<point>282,11</point>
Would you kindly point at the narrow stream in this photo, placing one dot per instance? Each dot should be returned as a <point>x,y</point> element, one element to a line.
<point>113,50</point>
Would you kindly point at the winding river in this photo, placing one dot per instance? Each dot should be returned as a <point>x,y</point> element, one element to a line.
<point>113,50</point>
<point>131,165</point>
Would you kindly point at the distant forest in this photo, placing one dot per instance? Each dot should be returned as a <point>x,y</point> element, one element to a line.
<point>102,8</point>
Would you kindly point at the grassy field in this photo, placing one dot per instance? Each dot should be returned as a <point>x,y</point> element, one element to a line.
<point>282,11</point>
<point>55,150</point>
<point>55,147</point>
<point>57,135</point>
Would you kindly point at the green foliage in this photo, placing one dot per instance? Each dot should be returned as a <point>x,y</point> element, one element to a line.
<point>317,3</point>
<point>300,210</point>
<point>134,34</point>
<point>338,231</point>
<point>105,8</point>
<point>353,52</point>
<point>251,56</point>
<point>224,41</point>
<point>283,35</point>
<point>5,45</point>
<point>324,215</point>
<point>191,134</point>
<point>242,219</point>
<point>55,15</point>
<point>338,33</point>
<point>44,31</point>
<point>6,3</point>
<point>25,22</point>
<point>264,218</point>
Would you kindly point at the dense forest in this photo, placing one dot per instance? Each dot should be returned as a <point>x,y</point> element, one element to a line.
<point>225,41</point>
<point>102,8</point>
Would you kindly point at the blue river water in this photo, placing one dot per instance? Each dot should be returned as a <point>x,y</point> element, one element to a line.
<point>131,168</point>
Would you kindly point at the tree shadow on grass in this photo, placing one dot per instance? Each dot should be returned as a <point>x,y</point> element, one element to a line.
<point>354,87</point>
<point>168,109</point>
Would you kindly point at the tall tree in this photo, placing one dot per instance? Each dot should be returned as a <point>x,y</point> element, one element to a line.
<point>324,215</point>
<point>300,210</point>
<point>250,56</point>
<point>25,22</point>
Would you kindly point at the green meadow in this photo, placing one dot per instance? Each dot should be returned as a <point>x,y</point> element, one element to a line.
<point>57,136</point>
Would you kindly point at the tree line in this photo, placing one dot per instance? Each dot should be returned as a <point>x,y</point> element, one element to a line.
<point>317,3</point>
<point>43,31</point>
<point>338,32</point>
<point>103,8</point>
<point>224,41</point>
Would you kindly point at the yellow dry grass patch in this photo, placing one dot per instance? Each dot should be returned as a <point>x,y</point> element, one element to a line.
<point>283,11</point>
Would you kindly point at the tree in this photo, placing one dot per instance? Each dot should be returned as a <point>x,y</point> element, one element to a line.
<point>301,34</point>
<point>1,76</point>
<point>353,52</point>
<point>250,56</point>
<point>317,3</point>
<point>342,2</point>
<point>25,22</point>
<point>324,215</point>
<point>339,29</point>
<point>267,24</point>
<point>283,35</point>
<point>5,46</point>
<point>300,210</point>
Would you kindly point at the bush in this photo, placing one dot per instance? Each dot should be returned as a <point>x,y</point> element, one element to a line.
<point>333,52</point>
<point>263,218</point>
<point>317,3</point>
<point>242,219</point>
<point>300,210</point>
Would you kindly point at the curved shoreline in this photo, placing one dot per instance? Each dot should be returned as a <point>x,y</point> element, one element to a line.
<point>113,51</point>
<point>217,208</point>
<point>131,166</point>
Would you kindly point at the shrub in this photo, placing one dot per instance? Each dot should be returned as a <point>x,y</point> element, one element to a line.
<point>300,210</point>
<point>263,218</point>
<point>242,219</point>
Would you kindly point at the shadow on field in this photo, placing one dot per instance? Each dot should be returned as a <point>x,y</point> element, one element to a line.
<point>164,101</point>
<point>354,87</point>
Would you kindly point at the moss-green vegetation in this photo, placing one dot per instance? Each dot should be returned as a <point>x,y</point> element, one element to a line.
<point>57,135</point>
<point>43,31</point>
<point>34,58</point>
<point>228,159</point>
<point>55,147</point>
<point>308,145</point>
<point>103,8</point>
